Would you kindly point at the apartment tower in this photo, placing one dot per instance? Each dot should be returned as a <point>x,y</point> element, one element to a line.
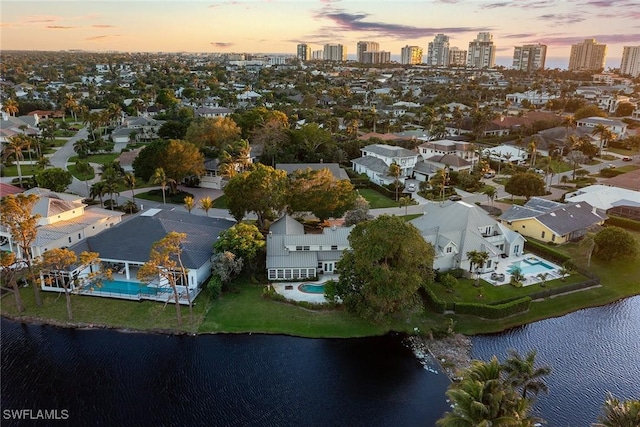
<point>457,57</point>
<point>335,52</point>
<point>438,51</point>
<point>363,47</point>
<point>303,52</point>
<point>529,57</point>
<point>482,52</point>
<point>587,56</point>
<point>411,55</point>
<point>630,64</point>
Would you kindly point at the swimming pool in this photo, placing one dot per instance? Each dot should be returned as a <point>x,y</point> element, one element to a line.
<point>531,265</point>
<point>124,287</point>
<point>312,288</point>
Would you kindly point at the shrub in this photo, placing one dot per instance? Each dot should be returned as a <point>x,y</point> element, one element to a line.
<point>215,287</point>
<point>627,223</point>
<point>432,300</point>
<point>497,311</point>
<point>449,282</point>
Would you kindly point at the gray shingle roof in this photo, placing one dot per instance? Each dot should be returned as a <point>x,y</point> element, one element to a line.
<point>131,240</point>
<point>286,225</point>
<point>372,163</point>
<point>389,150</point>
<point>570,218</point>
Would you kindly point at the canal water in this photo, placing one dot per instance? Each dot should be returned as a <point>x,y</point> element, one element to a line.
<point>109,378</point>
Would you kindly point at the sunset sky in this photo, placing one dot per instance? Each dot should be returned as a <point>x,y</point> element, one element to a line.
<point>276,26</point>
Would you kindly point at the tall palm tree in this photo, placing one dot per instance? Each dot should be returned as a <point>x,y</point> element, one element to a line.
<point>11,106</point>
<point>477,259</point>
<point>206,204</point>
<point>160,177</point>
<point>130,183</point>
<point>97,190</point>
<point>13,148</point>
<point>606,136</point>
<point>395,171</point>
<point>588,245</point>
<point>491,193</point>
<point>619,413</point>
<point>522,373</point>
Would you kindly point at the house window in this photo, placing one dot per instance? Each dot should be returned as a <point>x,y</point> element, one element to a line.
<point>306,248</point>
<point>553,237</point>
<point>69,239</point>
<point>334,247</point>
<point>79,236</point>
<point>298,248</point>
<point>489,263</point>
<point>448,250</point>
<point>524,226</point>
<point>516,249</point>
<point>543,233</point>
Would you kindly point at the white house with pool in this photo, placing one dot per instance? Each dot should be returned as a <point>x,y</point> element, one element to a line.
<point>294,254</point>
<point>125,247</point>
<point>457,228</point>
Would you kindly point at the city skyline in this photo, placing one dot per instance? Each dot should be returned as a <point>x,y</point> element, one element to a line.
<point>278,26</point>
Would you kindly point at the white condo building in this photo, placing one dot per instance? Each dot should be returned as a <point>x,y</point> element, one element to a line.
<point>482,52</point>
<point>303,52</point>
<point>630,64</point>
<point>587,56</point>
<point>529,57</point>
<point>411,55</point>
<point>438,51</point>
<point>335,52</point>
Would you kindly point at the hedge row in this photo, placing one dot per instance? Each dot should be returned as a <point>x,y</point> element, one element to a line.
<point>546,251</point>
<point>627,223</point>
<point>432,300</point>
<point>498,311</point>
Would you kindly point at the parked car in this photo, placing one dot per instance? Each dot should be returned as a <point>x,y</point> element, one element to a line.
<point>411,187</point>
<point>455,198</point>
<point>626,159</point>
<point>610,166</point>
<point>539,171</point>
<point>489,175</point>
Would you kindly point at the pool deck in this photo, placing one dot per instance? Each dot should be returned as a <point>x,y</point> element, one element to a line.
<point>297,295</point>
<point>530,279</point>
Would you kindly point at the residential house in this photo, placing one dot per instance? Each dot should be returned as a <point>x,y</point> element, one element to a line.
<point>376,159</point>
<point>457,228</point>
<point>436,155</point>
<point>143,128</point>
<point>616,126</point>
<point>212,112</point>
<point>126,247</point>
<point>294,254</point>
<point>613,200</point>
<point>64,220</point>
<point>552,222</point>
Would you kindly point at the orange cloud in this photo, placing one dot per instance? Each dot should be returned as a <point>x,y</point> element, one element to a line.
<point>60,27</point>
<point>103,26</point>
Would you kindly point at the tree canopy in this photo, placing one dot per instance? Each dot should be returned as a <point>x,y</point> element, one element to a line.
<point>262,190</point>
<point>526,184</point>
<point>149,158</point>
<point>182,159</point>
<point>615,242</point>
<point>388,262</point>
<point>319,192</point>
<point>245,241</point>
<point>212,133</point>
<point>55,179</point>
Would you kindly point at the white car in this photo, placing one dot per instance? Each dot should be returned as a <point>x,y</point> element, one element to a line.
<point>411,187</point>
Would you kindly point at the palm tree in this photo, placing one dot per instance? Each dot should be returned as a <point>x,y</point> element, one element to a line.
<point>619,413</point>
<point>11,107</point>
<point>564,271</point>
<point>130,183</point>
<point>97,190</point>
<point>189,203</point>
<point>395,171</point>
<point>405,201</point>
<point>81,147</point>
<point>112,179</point>
<point>206,204</point>
<point>588,245</point>
<point>43,162</point>
<point>160,177</point>
<point>14,147</point>
<point>477,259</point>
<point>70,104</point>
<point>522,373</point>
<point>606,136</point>
<point>543,278</point>
<point>491,193</point>
<point>130,206</point>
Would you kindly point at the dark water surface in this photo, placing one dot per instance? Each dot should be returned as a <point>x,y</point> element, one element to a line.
<point>110,378</point>
<point>591,352</point>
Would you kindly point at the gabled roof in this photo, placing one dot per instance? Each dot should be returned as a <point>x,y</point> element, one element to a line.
<point>449,160</point>
<point>6,189</point>
<point>286,225</point>
<point>51,204</point>
<point>389,150</point>
<point>372,163</point>
<point>131,240</point>
<point>604,197</point>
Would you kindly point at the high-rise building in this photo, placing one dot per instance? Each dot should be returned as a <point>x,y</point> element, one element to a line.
<point>482,52</point>
<point>587,56</point>
<point>411,55</point>
<point>335,52</point>
<point>366,47</point>
<point>438,51</point>
<point>529,57</point>
<point>457,57</point>
<point>630,64</point>
<point>304,52</point>
<point>376,57</point>
<point>317,55</point>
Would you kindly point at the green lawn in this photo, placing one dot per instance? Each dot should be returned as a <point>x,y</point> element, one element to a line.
<point>25,169</point>
<point>97,158</point>
<point>79,175</point>
<point>628,168</point>
<point>220,202</point>
<point>377,200</point>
